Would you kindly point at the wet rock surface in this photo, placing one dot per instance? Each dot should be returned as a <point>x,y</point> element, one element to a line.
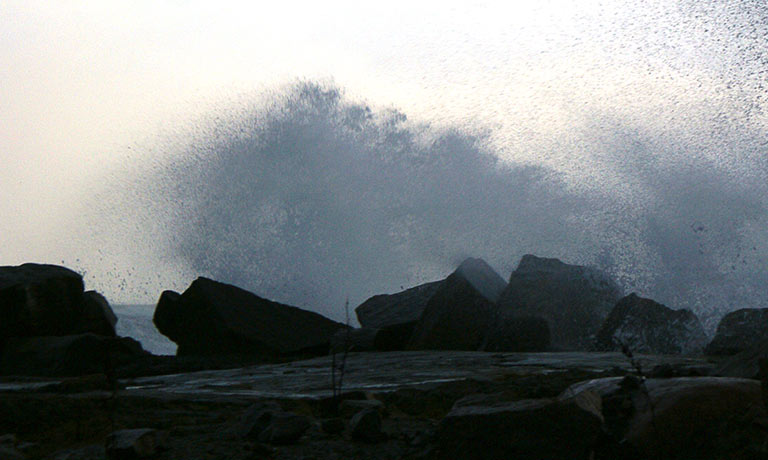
<point>646,326</point>
<point>457,317</point>
<point>738,331</point>
<point>207,414</point>
<point>574,300</point>
<point>391,309</point>
<point>529,429</point>
<point>213,318</point>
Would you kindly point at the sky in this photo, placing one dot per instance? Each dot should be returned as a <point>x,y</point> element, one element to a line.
<point>626,102</point>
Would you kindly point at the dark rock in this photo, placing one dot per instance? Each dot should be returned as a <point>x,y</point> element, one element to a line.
<point>82,384</point>
<point>574,300</point>
<point>68,355</point>
<point>407,306</point>
<point>457,317</point>
<point>98,316</point>
<point>9,453</point>
<point>91,452</point>
<point>387,338</point>
<point>256,419</point>
<point>360,339</point>
<point>366,426</point>
<point>391,309</point>
<point>48,300</point>
<point>266,422</point>
<point>483,278</point>
<point>745,364</point>
<point>738,331</point>
<point>8,440</point>
<point>284,428</point>
<point>133,444</point>
<point>525,429</point>
<point>518,334</point>
<point>394,337</point>
<point>212,318</point>
<point>332,425</point>
<point>350,407</point>
<point>686,417</point>
<point>645,326</point>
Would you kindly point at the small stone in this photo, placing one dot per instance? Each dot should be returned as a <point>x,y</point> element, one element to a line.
<point>9,453</point>
<point>332,425</point>
<point>257,418</point>
<point>350,407</point>
<point>133,444</point>
<point>8,440</point>
<point>284,428</point>
<point>366,426</point>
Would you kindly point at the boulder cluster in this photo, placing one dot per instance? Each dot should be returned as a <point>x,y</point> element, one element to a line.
<point>49,325</point>
<point>52,326</point>
<point>547,305</point>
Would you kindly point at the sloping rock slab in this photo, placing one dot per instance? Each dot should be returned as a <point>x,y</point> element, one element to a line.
<point>457,317</point>
<point>525,429</point>
<point>738,331</point>
<point>646,326</point>
<point>574,300</point>
<point>402,307</point>
<point>212,318</point>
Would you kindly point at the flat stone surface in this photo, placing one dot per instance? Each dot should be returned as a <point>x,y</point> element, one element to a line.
<point>389,371</point>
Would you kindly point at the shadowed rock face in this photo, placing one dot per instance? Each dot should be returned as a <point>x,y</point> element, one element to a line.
<point>738,331</point>
<point>212,318</point>
<point>457,317</point>
<point>646,326</point>
<point>574,300</point>
<point>402,307</point>
<point>68,355</point>
<point>683,417</point>
<point>483,278</point>
<point>529,428</point>
<point>452,314</point>
<point>48,300</point>
<point>517,333</point>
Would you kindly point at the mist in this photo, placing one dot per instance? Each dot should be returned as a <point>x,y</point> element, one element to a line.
<point>310,197</point>
<point>377,150</point>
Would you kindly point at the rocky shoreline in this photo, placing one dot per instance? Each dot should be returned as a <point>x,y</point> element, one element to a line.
<point>555,364</point>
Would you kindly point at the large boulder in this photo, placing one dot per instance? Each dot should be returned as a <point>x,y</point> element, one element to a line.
<point>213,318</point>
<point>745,364</point>
<point>69,355</point>
<point>518,334</point>
<point>48,300</point>
<point>98,316</point>
<point>681,418</point>
<point>738,331</point>
<point>524,429</point>
<point>574,300</point>
<point>646,326</point>
<point>407,306</point>
<point>460,314</point>
<point>387,338</point>
<point>391,309</point>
